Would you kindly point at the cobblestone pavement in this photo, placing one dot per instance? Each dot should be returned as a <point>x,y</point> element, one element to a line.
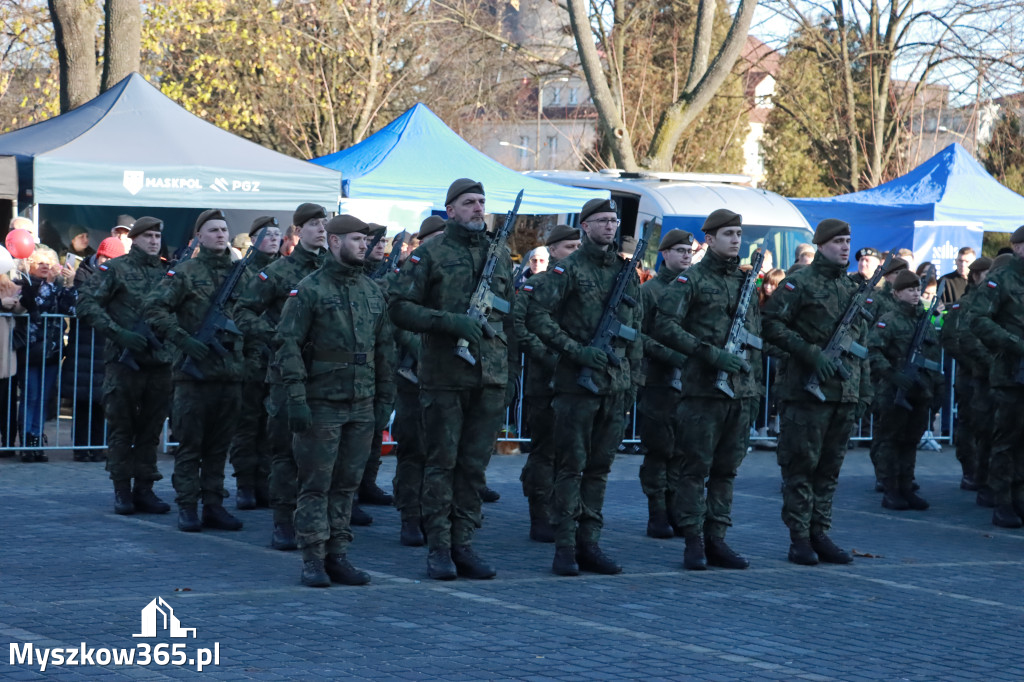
<point>939,596</point>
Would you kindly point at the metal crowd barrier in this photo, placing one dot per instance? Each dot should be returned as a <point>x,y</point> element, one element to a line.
<point>65,394</point>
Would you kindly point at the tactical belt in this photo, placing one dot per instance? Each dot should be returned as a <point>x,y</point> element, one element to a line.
<point>338,356</point>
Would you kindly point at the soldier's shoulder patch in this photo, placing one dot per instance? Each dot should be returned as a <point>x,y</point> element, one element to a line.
<point>558,270</point>
<point>869,300</point>
<point>991,285</point>
<point>293,292</point>
<point>414,259</point>
<point>790,286</point>
<point>263,276</point>
<point>955,306</point>
<point>104,267</point>
<point>170,273</point>
<point>682,278</point>
<point>527,287</point>
<point>881,325</point>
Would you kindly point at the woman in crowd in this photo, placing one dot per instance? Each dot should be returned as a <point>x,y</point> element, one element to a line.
<point>10,304</point>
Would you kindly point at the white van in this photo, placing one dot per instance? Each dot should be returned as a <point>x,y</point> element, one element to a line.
<point>684,200</point>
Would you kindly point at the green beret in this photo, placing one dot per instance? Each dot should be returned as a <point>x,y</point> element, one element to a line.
<point>208,215</point>
<point>597,206</point>
<point>830,228</point>
<point>146,224</point>
<point>76,230</point>
<point>306,212</point>
<point>1018,236</point>
<point>720,218</point>
<point>895,266</point>
<point>376,229</point>
<point>561,233</point>
<point>675,237</point>
<point>980,264</point>
<point>628,245</point>
<point>346,224</point>
<point>261,222</point>
<point>460,187</point>
<point>905,279</point>
<point>999,261</point>
<point>429,226</point>
<point>867,251</point>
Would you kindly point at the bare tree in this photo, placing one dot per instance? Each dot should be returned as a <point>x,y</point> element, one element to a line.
<point>74,23</point>
<point>121,41</point>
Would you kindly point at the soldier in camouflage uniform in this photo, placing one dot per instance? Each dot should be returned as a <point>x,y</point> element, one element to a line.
<point>407,429</point>
<point>249,453</point>
<point>564,313</point>
<point>799,319</point>
<point>997,317</point>
<point>694,320</point>
<point>257,315</point>
<point>660,425</point>
<point>335,360</point>
<point>898,430</point>
<point>136,400</point>
<point>463,404</point>
<point>538,475</point>
<point>204,410</point>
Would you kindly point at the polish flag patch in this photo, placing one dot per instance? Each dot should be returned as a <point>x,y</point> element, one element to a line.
<point>991,285</point>
<point>527,287</point>
<point>414,259</point>
<point>293,292</point>
<point>869,300</point>
<point>682,278</point>
<point>881,325</point>
<point>170,273</point>
<point>103,267</point>
<point>263,276</point>
<point>790,286</point>
<point>955,306</point>
<point>558,270</point>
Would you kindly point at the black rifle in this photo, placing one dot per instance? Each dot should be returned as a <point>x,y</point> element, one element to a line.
<point>187,254</point>
<point>127,357</point>
<point>376,240</point>
<point>841,343</point>
<point>216,320</point>
<point>915,360</point>
<point>610,327</point>
<point>483,300</point>
<point>388,264</point>
<point>739,339</point>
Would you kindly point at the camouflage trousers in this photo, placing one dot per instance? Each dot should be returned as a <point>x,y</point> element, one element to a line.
<point>204,415</point>
<point>283,476</point>
<point>812,447</point>
<point>538,475</point>
<point>588,433</point>
<point>1006,464</point>
<point>407,430</point>
<point>963,393</point>
<point>898,431</point>
<point>136,405</point>
<point>249,453</point>
<point>711,450</point>
<point>459,431</point>
<point>982,425</point>
<point>330,457</point>
<point>661,435</point>
<point>369,476</point>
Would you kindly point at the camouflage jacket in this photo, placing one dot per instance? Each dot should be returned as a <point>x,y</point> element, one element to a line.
<point>801,316</point>
<point>880,301</point>
<point>257,354</point>
<point>997,318</point>
<point>888,344</point>
<point>407,344</point>
<point>115,298</point>
<point>262,297</point>
<point>438,280</point>
<point>180,302</point>
<point>540,360</point>
<point>660,361</point>
<point>963,344</point>
<point>334,339</point>
<point>697,314</point>
<point>566,310</point>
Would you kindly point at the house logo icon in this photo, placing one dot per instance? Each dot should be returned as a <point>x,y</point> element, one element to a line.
<point>158,614</point>
<point>133,180</point>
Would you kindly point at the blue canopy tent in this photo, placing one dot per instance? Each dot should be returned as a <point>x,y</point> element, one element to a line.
<point>416,157</point>
<point>947,202</point>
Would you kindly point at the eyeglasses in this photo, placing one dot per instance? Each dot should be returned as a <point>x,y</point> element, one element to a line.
<point>681,250</point>
<point>604,221</point>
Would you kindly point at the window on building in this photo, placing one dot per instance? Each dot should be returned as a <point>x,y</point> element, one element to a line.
<point>552,149</point>
<point>556,95</point>
<point>574,95</point>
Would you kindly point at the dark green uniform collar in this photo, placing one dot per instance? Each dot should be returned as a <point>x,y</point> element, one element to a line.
<point>827,268</point>
<point>909,309</point>
<point>602,255</point>
<point>339,270</point>
<point>667,274</point>
<point>138,256</point>
<point>215,259</point>
<point>720,264</point>
<point>461,235</point>
<point>304,256</point>
<point>261,259</point>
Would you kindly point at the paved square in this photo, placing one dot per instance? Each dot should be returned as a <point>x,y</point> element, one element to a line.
<point>939,598</point>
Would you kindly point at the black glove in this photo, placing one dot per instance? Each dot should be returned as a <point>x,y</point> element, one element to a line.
<point>465,327</point>
<point>299,417</point>
<point>131,340</point>
<point>594,358</point>
<point>195,349</point>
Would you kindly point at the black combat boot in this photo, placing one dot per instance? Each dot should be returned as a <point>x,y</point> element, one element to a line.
<point>801,552</point>
<point>262,497</point>
<point>694,558</point>
<point>40,455</point>
<point>565,562</point>
<point>879,486</point>
<point>371,493</point>
<point>283,537</point>
<point>722,555</point>
<point>828,551</point>
<point>359,517</point>
<point>313,573</point>
<point>893,498</point>
<point>657,521</point>
<point>489,495</point>
<point>914,501</point>
<point>188,519</point>
<point>28,454</point>
<point>81,456</point>
<point>985,498</point>
<point>146,501</point>
<point>216,516</point>
<point>468,564</point>
<point>245,497</point>
<point>968,483</point>
<point>541,529</point>
<point>123,503</point>
<point>1005,516</point>
<point>341,571</point>
<point>440,565</point>
<point>411,534</point>
<point>590,558</point>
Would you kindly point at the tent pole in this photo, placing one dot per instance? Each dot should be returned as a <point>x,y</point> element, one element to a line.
<point>35,219</point>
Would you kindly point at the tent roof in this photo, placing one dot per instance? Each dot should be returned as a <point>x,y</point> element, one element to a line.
<point>417,156</point>
<point>132,146</point>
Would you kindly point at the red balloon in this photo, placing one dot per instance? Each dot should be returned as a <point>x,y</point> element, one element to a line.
<point>20,243</point>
